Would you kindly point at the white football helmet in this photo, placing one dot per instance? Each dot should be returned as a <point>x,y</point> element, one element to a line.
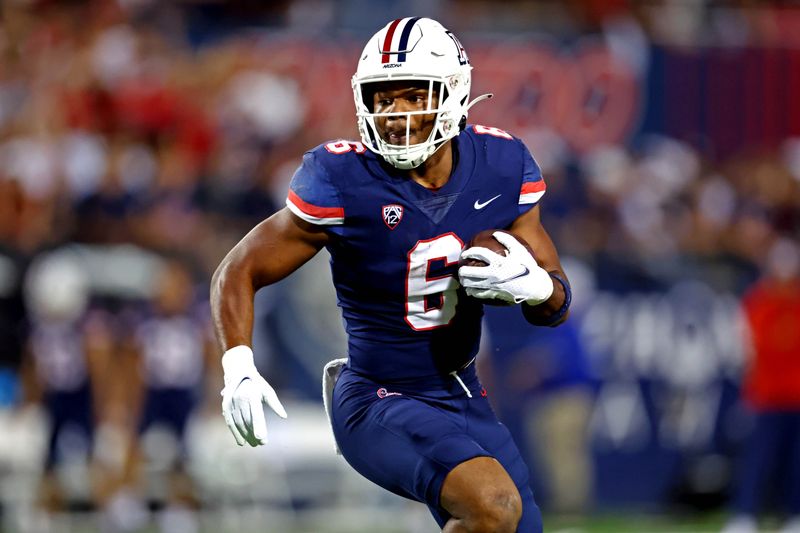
<point>414,49</point>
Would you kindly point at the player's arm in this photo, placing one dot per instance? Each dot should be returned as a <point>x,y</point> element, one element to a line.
<point>212,373</point>
<point>271,251</point>
<point>555,309</point>
<point>32,387</point>
<point>99,349</point>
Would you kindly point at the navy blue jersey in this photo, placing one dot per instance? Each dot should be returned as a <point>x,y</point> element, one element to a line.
<point>395,246</point>
<point>60,354</point>
<point>172,351</point>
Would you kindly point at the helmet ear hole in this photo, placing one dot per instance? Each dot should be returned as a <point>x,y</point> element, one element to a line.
<point>462,124</point>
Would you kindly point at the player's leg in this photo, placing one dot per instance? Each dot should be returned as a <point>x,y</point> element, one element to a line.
<point>480,496</point>
<point>125,508</point>
<point>758,464</point>
<point>67,410</point>
<point>411,446</point>
<point>405,445</point>
<point>792,439</point>
<point>397,442</point>
<point>182,493</point>
<point>49,496</point>
<point>485,430</point>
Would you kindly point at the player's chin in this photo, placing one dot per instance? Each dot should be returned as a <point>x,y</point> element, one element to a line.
<point>401,140</point>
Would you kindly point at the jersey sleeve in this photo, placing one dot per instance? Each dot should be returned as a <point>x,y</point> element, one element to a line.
<point>533,186</point>
<point>312,195</point>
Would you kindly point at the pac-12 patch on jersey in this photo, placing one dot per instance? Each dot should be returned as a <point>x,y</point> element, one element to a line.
<point>392,215</point>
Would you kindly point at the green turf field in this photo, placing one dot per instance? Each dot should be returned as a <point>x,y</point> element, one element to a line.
<point>635,523</point>
<point>649,523</point>
<point>605,523</point>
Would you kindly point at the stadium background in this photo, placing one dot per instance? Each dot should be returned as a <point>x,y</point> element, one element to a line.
<point>135,134</point>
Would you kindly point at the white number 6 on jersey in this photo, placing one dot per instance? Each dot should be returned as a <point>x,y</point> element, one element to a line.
<point>431,300</point>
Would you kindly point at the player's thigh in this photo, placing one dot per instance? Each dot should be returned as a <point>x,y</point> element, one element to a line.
<point>402,444</point>
<point>495,438</point>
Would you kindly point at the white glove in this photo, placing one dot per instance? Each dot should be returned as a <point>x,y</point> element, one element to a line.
<point>242,397</point>
<point>513,278</point>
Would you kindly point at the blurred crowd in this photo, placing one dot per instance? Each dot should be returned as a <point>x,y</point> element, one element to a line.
<point>140,140</point>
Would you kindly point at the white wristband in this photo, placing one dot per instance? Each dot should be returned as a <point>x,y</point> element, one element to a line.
<point>542,297</point>
<point>237,357</point>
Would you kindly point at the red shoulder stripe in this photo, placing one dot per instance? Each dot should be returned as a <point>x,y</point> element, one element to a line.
<point>533,186</point>
<point>313,210</point>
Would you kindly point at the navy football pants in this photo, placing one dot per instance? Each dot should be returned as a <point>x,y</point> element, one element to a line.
<point>69,409</point>
<point>771,459</point>
<point>407,440</point>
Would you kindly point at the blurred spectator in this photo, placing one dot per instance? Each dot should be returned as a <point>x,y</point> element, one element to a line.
<point>13,317</point>
<point>770,466</point>
<point>165,378</point>
<point>547,395</point>
<point>66,370</point>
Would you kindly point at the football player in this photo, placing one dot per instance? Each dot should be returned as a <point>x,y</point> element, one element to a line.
<point>165,376</point>
<point>395,210</point>
<point>68,357</point>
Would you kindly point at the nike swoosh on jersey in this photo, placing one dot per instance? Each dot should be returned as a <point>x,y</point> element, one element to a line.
<point>479,205</point>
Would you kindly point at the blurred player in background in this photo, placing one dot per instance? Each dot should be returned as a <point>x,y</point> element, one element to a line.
<point>770,465</point>
<point>13,312</point>
<point>395,210</point>
<point>547,395</point>
<point>165,381</point>
<point>67,370</point>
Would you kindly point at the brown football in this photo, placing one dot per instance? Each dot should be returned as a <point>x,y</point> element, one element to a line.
<point>485,239</point>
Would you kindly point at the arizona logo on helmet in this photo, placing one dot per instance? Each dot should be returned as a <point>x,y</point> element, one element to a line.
<point>392,215</point>
<point>462,54</point>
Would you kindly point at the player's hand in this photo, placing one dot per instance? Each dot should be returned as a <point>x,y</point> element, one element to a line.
<point>513,278</point>
<point>243,397</point>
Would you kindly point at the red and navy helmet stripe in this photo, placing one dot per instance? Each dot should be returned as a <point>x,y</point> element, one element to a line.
<point>405,34</point>
<point>404,39</point>
<point>387,42</point>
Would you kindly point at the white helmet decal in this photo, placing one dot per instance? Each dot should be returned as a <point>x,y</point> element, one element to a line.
<point>415,49</point>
